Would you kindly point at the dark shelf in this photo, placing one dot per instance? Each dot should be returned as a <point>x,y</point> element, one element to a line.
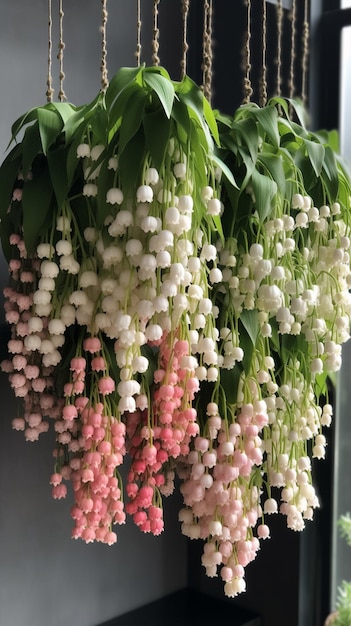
<point>186,608</point>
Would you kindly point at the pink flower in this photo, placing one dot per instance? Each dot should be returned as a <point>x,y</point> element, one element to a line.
<point>19,362</point>
<point>31,372</point>
<point>92,344</point>
<point>18,423</point>
<point>78,364</point>
<point>17,196</point>
<point>14,239</point>
<point>15,346</point>
<point>69,412</point>
<point>98,364</point>
<point>17,380</point>
<point>56,479</point>
<point>34,419</point>
<point>38,385</point>
<point>31,434</point>
<point>106,385</point>
<point>110,538</point>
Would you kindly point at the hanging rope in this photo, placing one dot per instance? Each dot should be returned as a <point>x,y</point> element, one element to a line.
<point>138,25</point>
<point>103,66</point>
<point>305,52</point>
<point>263,90</point>
<point>279,46</point>
<point>49,91</point>
<point>156,36</point>
<point>61,46</point>
<point>185,13</point>
<point>207,50</point>
<point>248,91</point>
<point>293,52</point>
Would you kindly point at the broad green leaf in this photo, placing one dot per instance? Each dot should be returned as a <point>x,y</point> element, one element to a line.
<point>273,164</point>
<point>249,320</point>
<point>148,377</point>
<point>31,146</point>
<point>211,120</point>
<point>190,94</point>
<point>247,346</point>
<point>50,126</point>
<point>27,118</point>
<point>268,120</point>
<point>119,107</point>
<point>157,129</point>
<point>245,133</point>
<point>106,181</point>
<point>8,174</point>
<point>98,124</point>
<point>181,116</point>
<point>131,118</point>
<point>58,173</point>
<point>265,190</point>
<point>36,203</point>
<point>124,77</point>
<point>163,88</point>
<point>131,162</point>
<point>331,176</point>
<point>316,153</point>
<point>225,169</point>
<point>64,109</point>
<point>230,382</point>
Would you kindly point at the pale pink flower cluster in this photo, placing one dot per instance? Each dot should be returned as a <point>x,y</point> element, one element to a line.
<point>161,433</point>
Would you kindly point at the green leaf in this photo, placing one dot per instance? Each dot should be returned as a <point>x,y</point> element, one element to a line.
<point>247,346</point>
<point>249,320</point>
<point>124,77</point>
<point>106,181</point>
<point>36,203</point>
<point>31,146</point>
<point>267,118</point>
<point>148,377</point>
<point>157,129</point>
<point>181,116</point>
<point>50,126</point>
<point>245,133</point>
<point>211,120</point>
<point>8,175</point>
<point>163,88</point>
<point>273,164</point>
<point>134,153</point>
<point>230,382</point>
<point>265,189</point>
<point>119,107</point>
<point>64,109</point>
<point>225,169</point>
<point>330,174</point>
<point>316,153</point>
<point>57,160</point>
<point>27,118</point>
<point>131,118</point>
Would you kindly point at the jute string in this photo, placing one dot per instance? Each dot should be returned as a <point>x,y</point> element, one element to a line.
<point>293,50</point>
<point>279,47</point>
<point>263,89</point>
<point>138,33</point>
<point>49,89</point>
<point>61,47</point>
<point>156,35</point>
<point>248,91</point>
<point>305,52</point>
<point>185,13</point>
<point>207,56</point>
<point>103,65</point>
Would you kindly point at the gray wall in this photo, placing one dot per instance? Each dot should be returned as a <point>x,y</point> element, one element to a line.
<point>47,579</point>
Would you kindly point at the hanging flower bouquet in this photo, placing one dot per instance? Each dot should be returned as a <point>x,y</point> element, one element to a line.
<point>178,293</point>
